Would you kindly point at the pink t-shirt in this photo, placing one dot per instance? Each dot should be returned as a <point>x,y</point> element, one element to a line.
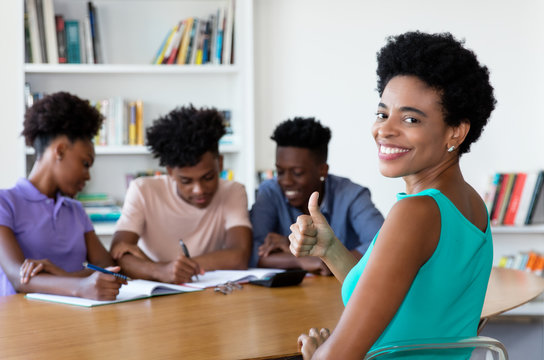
<point>155,212</point>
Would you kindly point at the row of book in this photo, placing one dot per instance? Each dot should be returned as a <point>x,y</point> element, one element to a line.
<point>100,207</point>
<point>123,122</point>
<point>516,198</point>
<point>200,41</point>
<point>50,38</point>
<point>530,261</point>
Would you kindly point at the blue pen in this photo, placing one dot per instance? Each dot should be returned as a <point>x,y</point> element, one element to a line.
<point>102,270</point>
<point>186,252</point>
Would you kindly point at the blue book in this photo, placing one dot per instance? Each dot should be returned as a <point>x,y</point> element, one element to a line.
<point>73,54</point>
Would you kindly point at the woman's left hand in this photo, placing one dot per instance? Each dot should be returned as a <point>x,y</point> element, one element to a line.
<point>308,344</point>
<point>32,267</point>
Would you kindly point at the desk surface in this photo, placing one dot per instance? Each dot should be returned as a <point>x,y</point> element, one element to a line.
<point>508,289</point>
<point>249,323</point>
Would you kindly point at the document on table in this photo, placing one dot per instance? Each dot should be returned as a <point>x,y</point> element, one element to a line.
<point>218,277</point>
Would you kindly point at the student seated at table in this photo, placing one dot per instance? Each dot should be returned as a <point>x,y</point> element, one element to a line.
<point>189,203</point>
<point>301,164</point>
<point>45,235</point>
<point>425,274</point>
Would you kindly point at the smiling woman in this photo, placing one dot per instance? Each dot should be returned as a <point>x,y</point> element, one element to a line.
<point>45,235</point>
<point>425,273</point>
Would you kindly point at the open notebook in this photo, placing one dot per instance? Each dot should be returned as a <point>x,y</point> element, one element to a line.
<point>218,277</point>
<point>135,289</point>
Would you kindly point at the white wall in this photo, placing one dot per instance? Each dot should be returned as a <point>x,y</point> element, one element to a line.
<point>317,58</point>
<point>11,90</point>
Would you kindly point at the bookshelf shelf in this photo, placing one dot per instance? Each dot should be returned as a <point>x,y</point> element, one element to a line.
<point>129,43</point>
<point>529,229</point>
<point>129,69</point>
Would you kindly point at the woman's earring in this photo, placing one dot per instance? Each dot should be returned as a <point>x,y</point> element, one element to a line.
<point>322,178</point>
<point>451,148</point>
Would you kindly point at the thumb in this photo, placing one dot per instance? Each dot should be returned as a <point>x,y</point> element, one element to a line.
<point>313,208</point>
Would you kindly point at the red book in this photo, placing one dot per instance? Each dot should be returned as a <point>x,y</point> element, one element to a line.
<point>511,211</point>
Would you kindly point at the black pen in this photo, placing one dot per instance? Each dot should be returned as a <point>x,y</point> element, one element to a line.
<point>105,271</point>
<point>186,252</point>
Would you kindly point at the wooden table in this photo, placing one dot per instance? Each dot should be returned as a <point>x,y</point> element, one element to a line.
<point>509,289</point>
<point>249,323</point>
<point>254,322</point>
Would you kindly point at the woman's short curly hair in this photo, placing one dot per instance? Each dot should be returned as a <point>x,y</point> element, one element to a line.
<point>445,64</point>
<point>305,133</point>
<point>181,137</point>
<point>60,114</point>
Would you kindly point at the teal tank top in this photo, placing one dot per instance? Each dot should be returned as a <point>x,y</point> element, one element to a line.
<point>447,295</point>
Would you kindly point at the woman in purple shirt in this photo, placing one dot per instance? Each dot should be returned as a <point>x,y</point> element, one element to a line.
<point>45,235</point>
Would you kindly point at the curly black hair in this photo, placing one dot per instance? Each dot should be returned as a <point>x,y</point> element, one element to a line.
<point>181,137</point>
<point>60,114</point>
<point>443,63</point>
<point>305,133</point>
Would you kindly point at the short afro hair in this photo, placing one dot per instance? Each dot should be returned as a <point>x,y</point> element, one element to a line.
<point>60,114</point>
<point>443,63</point>
<point>181,137</point>
<point>305,133</point>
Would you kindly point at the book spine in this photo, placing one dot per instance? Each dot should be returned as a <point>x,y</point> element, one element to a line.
<point>73,45</point>
<point>515,198</point>
<point>50,31</point>
<point>536,193</point>
<point>61,39</point>
<point>139,122</point>
<point>89,52</point>
<point>41,30</point>
<point>132,124</point>
<point>498,198</point>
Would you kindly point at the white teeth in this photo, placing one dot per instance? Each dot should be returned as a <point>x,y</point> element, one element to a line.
<point>390,150</point>
<point>290,193</point>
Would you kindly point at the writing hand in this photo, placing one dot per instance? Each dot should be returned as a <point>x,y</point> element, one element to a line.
<point>100,286</point>
<point>311,235</point>
<point>308,344</point>
<point>180,270</point>
<point>32,267</point>
<point>274,242</point>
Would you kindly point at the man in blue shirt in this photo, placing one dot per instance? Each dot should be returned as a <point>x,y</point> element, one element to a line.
<point>301,164</point>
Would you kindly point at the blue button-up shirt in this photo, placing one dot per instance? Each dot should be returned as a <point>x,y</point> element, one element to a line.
<point>347,207</point>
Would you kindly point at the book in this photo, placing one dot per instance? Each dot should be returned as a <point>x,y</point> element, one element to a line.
<point>513,204</point>
<point>497,205</point>
<point>530,219</point>
<point>186,37</point>
<point>95,34</point>
<point>228,33</point>
<point>191,49</point>
<point>50,29</point>
<point>61,38</point>
<point>87,35</point>
<point>162,51</point>
<point>496,190</point>
<point>176,44</point>
<point>525,199</point>
<point>219,277</point>
<point>41,30</point>
<point>34,32</point>
<point>172,43</point>
<point>507,194</point>
<point>134,290</point>
<point>139,122</point>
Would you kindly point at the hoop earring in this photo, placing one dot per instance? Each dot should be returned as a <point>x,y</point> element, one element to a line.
<point>451,148</point>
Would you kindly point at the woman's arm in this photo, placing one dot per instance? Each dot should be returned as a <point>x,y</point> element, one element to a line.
<point>406,241</point>
<point>95,286</point>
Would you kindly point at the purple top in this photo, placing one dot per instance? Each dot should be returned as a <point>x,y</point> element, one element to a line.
<point>44,228</point>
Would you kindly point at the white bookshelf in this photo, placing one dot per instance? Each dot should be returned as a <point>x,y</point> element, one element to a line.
<point>131,32</point>
<point>510,240</point>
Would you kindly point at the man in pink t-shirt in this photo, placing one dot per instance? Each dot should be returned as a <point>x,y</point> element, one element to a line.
<point>190,203</point>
